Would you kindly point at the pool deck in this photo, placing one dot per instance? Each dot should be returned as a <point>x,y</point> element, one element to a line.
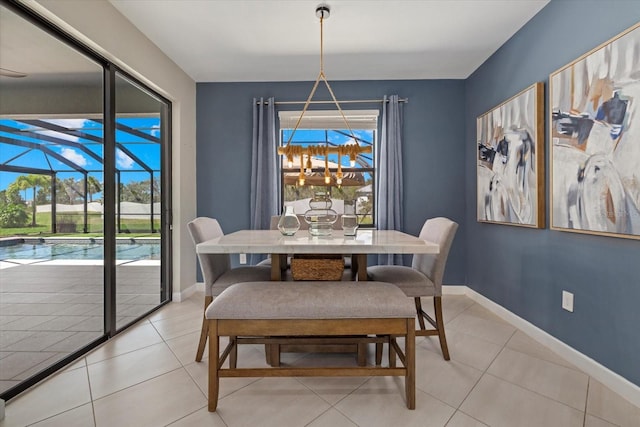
<point>9,263</point>
<point>7,241</point>
<point>51,308</point>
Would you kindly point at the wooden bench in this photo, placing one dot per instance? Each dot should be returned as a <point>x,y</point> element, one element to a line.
<point>277,312</point>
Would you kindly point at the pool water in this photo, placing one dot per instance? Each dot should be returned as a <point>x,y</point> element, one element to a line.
<point>128,251</point>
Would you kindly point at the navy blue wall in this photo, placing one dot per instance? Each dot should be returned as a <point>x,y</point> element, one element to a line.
<point>526,270</point>
<point>433,149</point>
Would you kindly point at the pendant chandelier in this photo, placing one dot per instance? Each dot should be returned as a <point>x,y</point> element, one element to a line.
<point>351,150</point>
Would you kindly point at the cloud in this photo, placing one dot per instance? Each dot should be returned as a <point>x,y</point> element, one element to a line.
<point>73,156</point>
<point>59,135</point>
<point>69,123</point>
<point>73,124</point>
<point>123,161</point>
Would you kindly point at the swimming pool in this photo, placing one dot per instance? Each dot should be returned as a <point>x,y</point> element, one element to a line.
<point>129,250</point>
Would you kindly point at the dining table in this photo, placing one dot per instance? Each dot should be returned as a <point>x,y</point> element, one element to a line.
<point>365,242</point>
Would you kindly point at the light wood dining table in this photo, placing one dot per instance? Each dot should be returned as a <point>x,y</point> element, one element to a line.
<point>365,242</point>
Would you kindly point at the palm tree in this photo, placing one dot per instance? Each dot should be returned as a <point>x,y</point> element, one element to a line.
<point>25,182</point>
<point>93,186</point>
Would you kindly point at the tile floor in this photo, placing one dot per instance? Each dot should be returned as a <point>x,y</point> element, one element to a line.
<point>497,377</point>
<point>49,309</point>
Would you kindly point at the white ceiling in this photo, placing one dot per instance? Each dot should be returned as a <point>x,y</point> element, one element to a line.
<point>279,40</point>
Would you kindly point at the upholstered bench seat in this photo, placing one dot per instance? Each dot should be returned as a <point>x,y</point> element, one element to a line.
<point>310,300</point>
<point>280,312</point>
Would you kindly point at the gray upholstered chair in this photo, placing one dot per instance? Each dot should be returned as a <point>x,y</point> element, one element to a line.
<point>423,278</point>
<point>217,272</point>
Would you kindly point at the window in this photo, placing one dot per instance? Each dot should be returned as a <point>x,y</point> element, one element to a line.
<point>327,127</point>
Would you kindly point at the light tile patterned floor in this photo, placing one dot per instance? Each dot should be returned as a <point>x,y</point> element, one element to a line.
<point>50,309</point>
<point>497,377</point>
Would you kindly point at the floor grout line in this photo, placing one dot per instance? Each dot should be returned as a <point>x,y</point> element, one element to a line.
<point>484,374</point>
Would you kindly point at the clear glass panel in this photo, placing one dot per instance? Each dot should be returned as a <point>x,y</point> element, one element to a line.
<point>139,144</point>
<point>51,174</point>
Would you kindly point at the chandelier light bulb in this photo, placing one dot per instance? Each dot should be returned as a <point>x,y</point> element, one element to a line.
<point>327,175</point>
<point>339,181</point>
<point>309,169</point>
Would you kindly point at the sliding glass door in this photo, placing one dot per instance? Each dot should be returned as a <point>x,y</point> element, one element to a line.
<point>139,139</point>
<point>84,199</point>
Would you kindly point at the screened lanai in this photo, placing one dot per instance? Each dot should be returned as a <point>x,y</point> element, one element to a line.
<point>58,165</point>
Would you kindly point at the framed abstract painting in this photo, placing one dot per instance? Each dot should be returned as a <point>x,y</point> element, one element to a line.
<point>510,161</point>
<point>595,140</point>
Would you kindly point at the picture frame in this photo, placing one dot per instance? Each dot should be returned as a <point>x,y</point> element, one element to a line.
<point>594,136</point>
<point>510,161</point>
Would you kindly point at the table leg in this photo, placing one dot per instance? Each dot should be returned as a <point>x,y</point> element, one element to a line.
<point>278,262</point>
<point>276,268</point>
<point>359,262</point>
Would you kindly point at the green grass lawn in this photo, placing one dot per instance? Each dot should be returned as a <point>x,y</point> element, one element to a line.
<point>128,227</point>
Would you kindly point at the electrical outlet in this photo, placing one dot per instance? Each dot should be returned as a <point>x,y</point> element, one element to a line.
<point>243,258</point>
<point>567,301</point>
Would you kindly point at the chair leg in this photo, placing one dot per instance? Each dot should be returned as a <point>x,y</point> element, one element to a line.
<point>410,364</point>
<point>379,354</point>
<point>437,306</point>
<point>233,356</point>
<point>205,331</point>
<point>392,352</point>
<point>362,355</point>
<point>419,311</point>
<point>422,326</point>
<point>267,354</point>
<point>214,379</point>
<point>274,359</point>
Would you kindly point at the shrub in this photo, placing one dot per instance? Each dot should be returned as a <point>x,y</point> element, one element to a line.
<point>13,215</point>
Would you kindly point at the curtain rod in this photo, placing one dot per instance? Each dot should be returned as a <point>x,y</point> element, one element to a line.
<point>349,101</point>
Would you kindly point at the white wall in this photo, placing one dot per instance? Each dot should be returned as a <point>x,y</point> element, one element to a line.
<point>98,24</point>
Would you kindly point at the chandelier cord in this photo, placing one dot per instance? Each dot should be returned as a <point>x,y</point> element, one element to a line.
<point>321,76</point>
<point>322,44</point>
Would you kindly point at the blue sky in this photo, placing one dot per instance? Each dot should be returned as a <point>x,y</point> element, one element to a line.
<point>145,150</point>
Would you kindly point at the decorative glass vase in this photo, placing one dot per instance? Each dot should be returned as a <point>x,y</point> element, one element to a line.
<point>349,219</point>
<point>289,222</point>
<point>320,216</point>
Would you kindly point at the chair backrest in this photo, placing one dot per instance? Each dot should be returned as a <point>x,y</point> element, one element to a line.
<point>441,231</point>
<point>211,265</point>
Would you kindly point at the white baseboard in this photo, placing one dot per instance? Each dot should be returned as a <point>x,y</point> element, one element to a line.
<point>454,290</point>
<point>610,379</point>
<point>186,293</point>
